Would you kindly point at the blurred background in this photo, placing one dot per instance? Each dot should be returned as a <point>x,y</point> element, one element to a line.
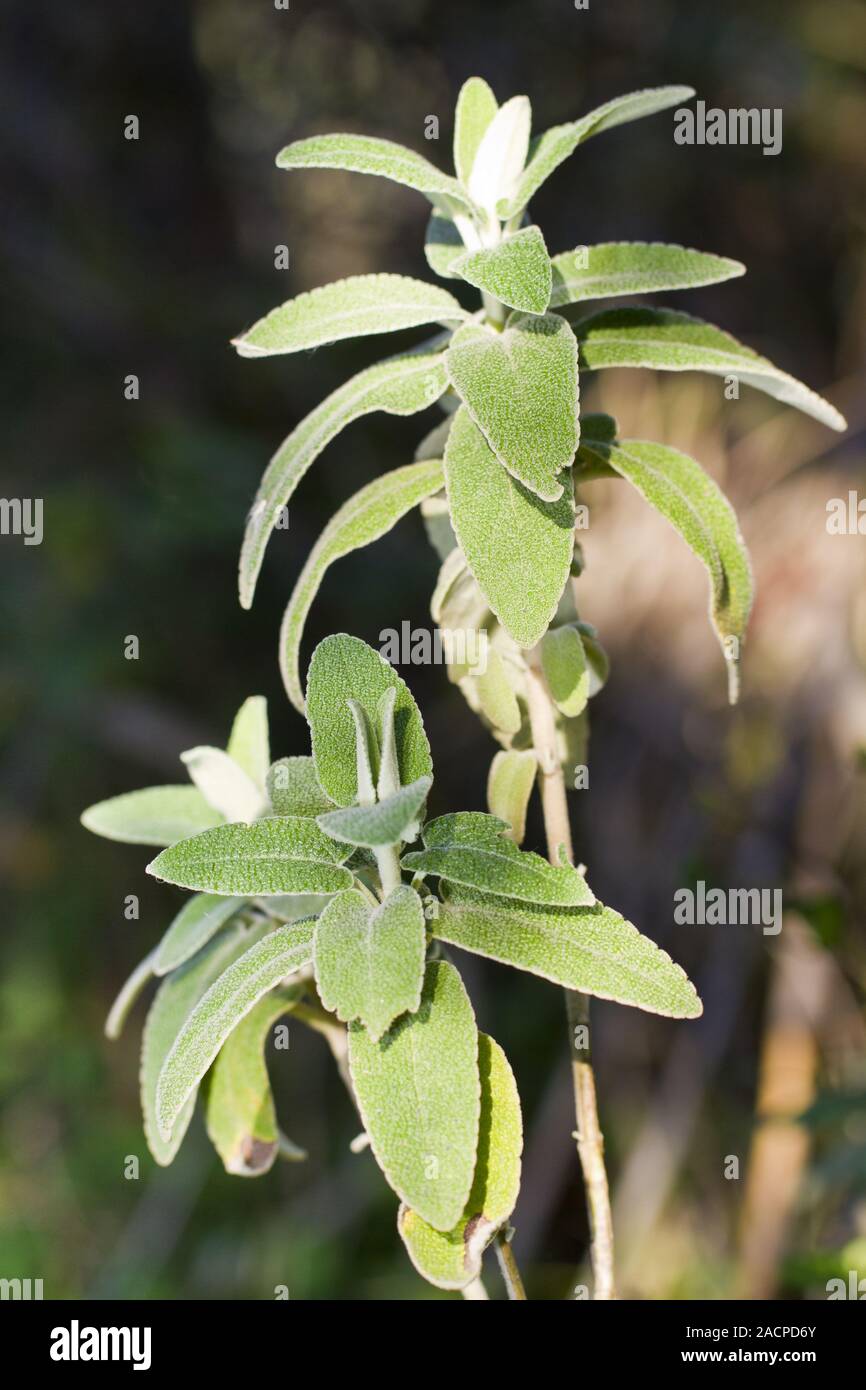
<point>146,257</point>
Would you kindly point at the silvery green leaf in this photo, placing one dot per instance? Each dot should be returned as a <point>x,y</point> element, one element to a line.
<point>547,151</point>
<point>388,778</point>
<point>343,668</point>
<point>685,496</point>
<point>592,949</point>
<point>509,787</point>
<point>229,999</point>
<point>597,662</point>
<point>384,823</point>
<point>366,754</point>
<point>370,961</point>
<point>366,154</point>
<point>350,308</point>
<point>501,155</point>
<point>418,1092</point>
<point>674,342</point>
<point>363,519</point>
<point>292,907</point>
<point>520,387</point>
<point>516,271</point>
<point>471,848</point>
<point>443,245</point>
<point>239,1112</point>
<point>294,790</point>
<point>153,816</point>
<point>279,854</point>
<point>199,919</point>
<point>495,694</point>
<point>249,742</point>
<point>451,1259</point>
<point>127,996</point>
<point>566,670</point>
<point>432,446</point>
<point>518,548</point>
<point>634,267</point>
<point>399,386</point>
<point>476,107</point>
<point>224,784</point>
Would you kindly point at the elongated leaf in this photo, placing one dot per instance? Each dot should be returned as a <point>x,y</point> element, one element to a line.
<point>363,519</point>
<point>384,823</point>
<point>443,246</point>
<point>517,271</point>
<point>240,1115</point>
<point>418,1092</point>
<point>294,788</point>
<point>280,953</point>
<point>351,308</point>
<point>565,669</point>
<point>547,151</point>
<point>370,961</point>
<point>518,548</point>
<point>153,816</point>
<point>344,668</point>
<point>472,848</point>
<point>496,696</point>
<point>399,386</point>
<point>388,778</point>
<point>520,387</point>
<point>673,342</point>
<point>195,924</point>
<point>129,992</point>
<point>451,1259</point>
<point>685,496</point>
<point>501,155</point>
<point>366,154</point>
<point>249,743</point>
<point>509,787</point>
<point>280,854</point>
<point>476,107</point>
<point>634,267</point>
<point>591,949</point>
<point>224,784</point>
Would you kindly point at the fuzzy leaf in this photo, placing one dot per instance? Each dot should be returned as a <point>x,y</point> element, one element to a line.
<point>199,919</point>
<point>509,787</point>
<point>518,548</point>
<point>501,155</point>
<point>343,668</point>
<point>294,788</point>
<point>363,519</point>
<point>495,695</point>
<point>591,949</point>
<point>476,107</point>
<point>129,992</point>
<point>249,742</point>
<point>388,778</point>
<point>418,1093</point>
<point>366,154</point>
<point>547,151</point>
<point>399,386</point>
<point>351,308</point>
<point>451,1259</point>
<point>674,342</point>
<point>153,816</point>
<point>517,271</point>
<point>279,854</point>
<point>224,784</point>
<point>443,245</point>
<point>470,848</point>
<point>563,661</point>
<point>384,823</point>
<point>240,1115</point>
<point>520,387</point>
<point>370,961</point>
<point>634,267</point>
<point>228,1000</point>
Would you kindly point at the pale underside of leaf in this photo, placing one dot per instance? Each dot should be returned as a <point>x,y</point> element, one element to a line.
<point>367,154</point>
<point>386,822</point>
<point>476,107</point>
<point>443,246</point>
<point>501,155</point>
<point>249,742</point>
<point>517,271</point>
<point>152,816</point>
<point>634,267</point>
<point>224,784</point>
<point>198,920</point>
<point>509,787</point>
<point>566,671</point>
<point>369,961</point>
<point>279,854</point>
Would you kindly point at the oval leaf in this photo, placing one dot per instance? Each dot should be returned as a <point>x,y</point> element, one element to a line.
<point>634,267</point>
<point>280,854</point>
<point>249,742</point>
<point>509,787</point>
<point>386,822</point>
<point>476,107</point>
<point>517,271</point>
<point>153,816</point>
<point>367,154</point>
<point>370,961</point>
<point>566,671</point>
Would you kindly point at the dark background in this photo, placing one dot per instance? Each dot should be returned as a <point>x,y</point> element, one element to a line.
<point>147,257</point>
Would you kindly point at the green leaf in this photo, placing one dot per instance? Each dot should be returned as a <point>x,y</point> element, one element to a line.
<point>249,742</point>
<point>240,1115</point>
<point>496,696</point>
<point>509,787</point>
<point>452,1259</point>
<point>418,1093</point>
<point>470,848</point>
<point>674,342</point>
<point>228,1000</point>
<point>366,154</point>
<point>224,784</point>
<point>388,779</point>
<point>401,385</point>
<point>366,754</point>
<point>501,156</point>
<point>517,271</point>
<point>634,267</point>
<point>518,548</point>
<point>127,996</point>
<point>370,961</point>
<point>279,854</point>
<point>384,823</point>
<point>153,816</point>
<point>686,497</point>
<point>520,387</point>
<point>351,308</point>
<point>443,245</point>
<point>547,151</point>
<point>476,107</point>
<point>341,668</point>
<point>363,519</point>
<point>591,949</point>
<point>173,1002</point>
<point>294,788</point>
<point>198,920</point>
<point>564,663</point>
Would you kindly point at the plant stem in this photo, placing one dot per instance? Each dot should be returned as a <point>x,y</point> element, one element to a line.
<point>590,1141</point>
<point>388,863</point>
<point>476,1292</point>
<point>508,1266</point>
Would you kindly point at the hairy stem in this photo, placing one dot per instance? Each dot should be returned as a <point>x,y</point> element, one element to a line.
<point>476,1292</point>
<point>590,1141</point>
<point>508,1266</point>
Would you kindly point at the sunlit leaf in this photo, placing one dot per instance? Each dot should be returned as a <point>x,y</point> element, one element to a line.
<point>516,271</point>
<point>294,789</point>
<point>366,154</point>
<point>565,667</point>
<point>509,787</point>
<point>249,743</point>
<point>280,854</point>
<point>198,920</point>
<point>634,267</point>
<point>384,823</point>
<point>476,107</point>
<point>224,784</point>
<point>153,816</point>
<point>370,960</point>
